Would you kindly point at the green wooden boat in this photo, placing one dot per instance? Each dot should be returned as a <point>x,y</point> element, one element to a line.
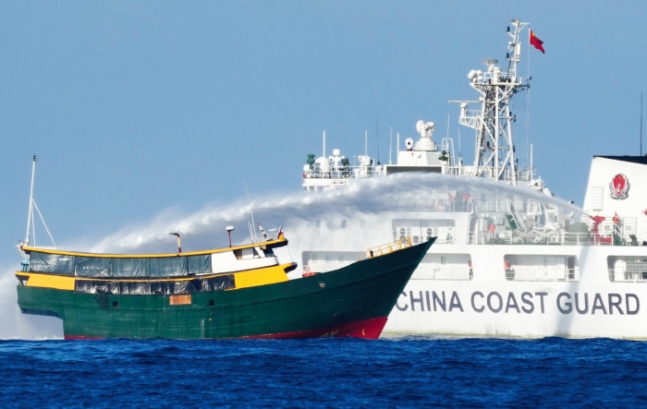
<point>233,292</point>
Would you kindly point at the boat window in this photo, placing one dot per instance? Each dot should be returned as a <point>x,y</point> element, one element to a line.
<point>423,228</point>
<point>257,253</point>
<point>627,269</point>
<point>544,267</point>
<point>448,266</point>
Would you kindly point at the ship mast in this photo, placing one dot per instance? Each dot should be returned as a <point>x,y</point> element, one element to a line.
<point>30,212</point>
<point>494,147</point>
<point>31,225</point>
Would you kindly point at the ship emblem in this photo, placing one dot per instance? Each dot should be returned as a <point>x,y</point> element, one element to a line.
<point>619,187</point>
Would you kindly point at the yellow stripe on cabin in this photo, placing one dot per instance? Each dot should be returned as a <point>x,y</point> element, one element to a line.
<point>243,279</point>
<point>50,281</point>
<point>263,276</point>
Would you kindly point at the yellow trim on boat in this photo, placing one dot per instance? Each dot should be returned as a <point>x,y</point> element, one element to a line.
<point>255,278</point>
<point>262,245</point>
<point>48,281</point>
<point>243,279</point>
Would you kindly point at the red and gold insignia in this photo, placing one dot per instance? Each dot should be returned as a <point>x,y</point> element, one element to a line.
<point>619,187</point>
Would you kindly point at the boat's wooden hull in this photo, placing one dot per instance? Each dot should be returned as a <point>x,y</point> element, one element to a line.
<point>353,301</point>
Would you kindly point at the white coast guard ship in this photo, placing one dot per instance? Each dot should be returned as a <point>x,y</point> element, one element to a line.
<point>510,260</point>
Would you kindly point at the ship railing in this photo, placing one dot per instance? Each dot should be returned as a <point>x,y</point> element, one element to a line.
<point>540,237</point>
<point>470,118</point>
<point>452,273</point>
<point>345,172</point>
<point>537,273</point>
<point>389,248</point>
<point>567,239</point>
<point>333,174</point>
<point>523,174</point>
<point>449,239</point>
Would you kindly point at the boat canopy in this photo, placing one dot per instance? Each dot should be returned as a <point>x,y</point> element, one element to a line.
<point>142,267</point>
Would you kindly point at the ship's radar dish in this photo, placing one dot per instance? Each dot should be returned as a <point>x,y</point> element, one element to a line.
<point>420,127</point>
<point>424,128</point>
<point>490,62</point>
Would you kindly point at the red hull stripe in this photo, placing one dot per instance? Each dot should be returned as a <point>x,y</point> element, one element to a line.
<point>367,329</point>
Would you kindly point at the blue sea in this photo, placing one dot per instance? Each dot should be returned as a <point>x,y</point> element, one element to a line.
<point>328,373</point>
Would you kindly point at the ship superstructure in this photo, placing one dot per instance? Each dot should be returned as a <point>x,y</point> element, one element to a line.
<point>492,121</point>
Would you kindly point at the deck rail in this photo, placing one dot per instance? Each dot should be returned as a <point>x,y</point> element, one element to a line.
<point>389,247</point>
<point>559,238</point>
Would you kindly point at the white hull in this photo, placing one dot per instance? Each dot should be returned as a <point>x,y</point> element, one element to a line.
<point>594,298</point>
<point>491,305</point>
<point>552,286</point>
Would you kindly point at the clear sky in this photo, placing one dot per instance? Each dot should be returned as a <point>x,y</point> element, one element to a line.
<point>138,107</point>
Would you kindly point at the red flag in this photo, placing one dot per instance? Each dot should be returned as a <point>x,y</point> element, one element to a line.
<point>536,42</point>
